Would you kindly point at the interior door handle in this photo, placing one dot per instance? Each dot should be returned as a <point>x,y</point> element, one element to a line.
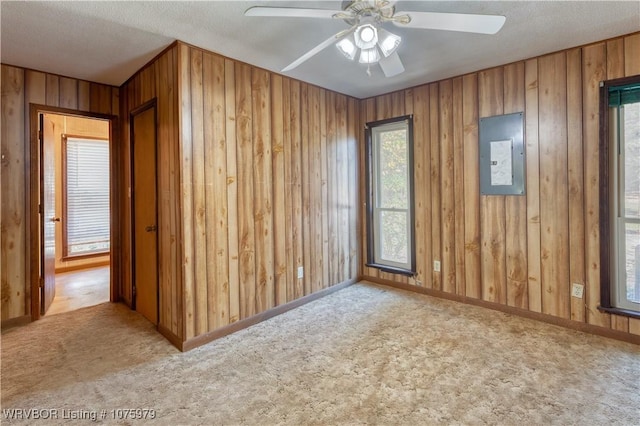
<point>55,219</point>
<point>151,228</point>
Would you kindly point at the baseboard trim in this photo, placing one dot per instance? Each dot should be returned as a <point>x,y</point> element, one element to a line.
<point>15,322</point>
<point>73,268</point>
<point>263,316</point>
<point>549,319</point>
<point>170,336</point>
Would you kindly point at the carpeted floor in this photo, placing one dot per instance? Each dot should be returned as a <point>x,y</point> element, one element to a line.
<point>363,355</point>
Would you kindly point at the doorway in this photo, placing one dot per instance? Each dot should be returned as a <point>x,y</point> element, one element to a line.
<point>73,196</point>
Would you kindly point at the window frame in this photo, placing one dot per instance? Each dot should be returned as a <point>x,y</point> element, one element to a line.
<point>608,237</point>
<point>372,241</point>
<point>66,256</point>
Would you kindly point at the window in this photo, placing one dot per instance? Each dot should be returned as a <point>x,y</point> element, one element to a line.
<point>85,196</point>
<point>621,139</point>
<point>390,195</point>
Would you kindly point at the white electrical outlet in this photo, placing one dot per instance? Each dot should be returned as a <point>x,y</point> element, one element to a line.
<point>300,271</point>
<point>577,290</point>
<point>436,265</point>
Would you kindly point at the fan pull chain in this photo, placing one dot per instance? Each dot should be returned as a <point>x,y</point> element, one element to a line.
<point>369,70</point>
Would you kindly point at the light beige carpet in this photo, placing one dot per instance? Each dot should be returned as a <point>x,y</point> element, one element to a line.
<point>363,355</point>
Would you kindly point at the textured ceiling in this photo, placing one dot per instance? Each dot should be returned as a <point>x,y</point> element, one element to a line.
<point>108,41</point>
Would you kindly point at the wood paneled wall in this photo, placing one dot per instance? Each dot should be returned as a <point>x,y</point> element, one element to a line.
<point>268,184</point>
<point>159,81</point>
<point>20,88</point>
<point>520,251</point>
<point>257,176</point>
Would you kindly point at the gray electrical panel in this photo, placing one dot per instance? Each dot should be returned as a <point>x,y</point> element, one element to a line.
<point>502,155</point>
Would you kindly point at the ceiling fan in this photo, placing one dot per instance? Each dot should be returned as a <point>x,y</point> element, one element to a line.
<point>366,17</point>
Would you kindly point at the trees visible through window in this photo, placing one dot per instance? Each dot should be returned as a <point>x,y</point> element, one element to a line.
<point>85,196</point>
<point>623,143</point>
<point>390,188</point>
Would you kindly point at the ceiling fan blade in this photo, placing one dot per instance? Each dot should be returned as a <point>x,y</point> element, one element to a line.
<point>391,65</point>
<point>328,42</point>
<point>483,24</point>
<point>290,12</point>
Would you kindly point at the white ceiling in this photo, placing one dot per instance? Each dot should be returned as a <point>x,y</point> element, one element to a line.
<point>107,42</point>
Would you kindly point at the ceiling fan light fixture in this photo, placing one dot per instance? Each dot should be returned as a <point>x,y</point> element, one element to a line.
<point>388,42</point>
<point>347,48</point>
<point>369,56</point>
<point>366,36</point>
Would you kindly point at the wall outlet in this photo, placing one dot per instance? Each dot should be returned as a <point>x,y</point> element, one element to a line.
<point>300,271</point>
<point>436,265</point>
<point>577,290</point>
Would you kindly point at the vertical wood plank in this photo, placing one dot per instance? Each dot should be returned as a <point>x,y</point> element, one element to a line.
<point>532,153</point>
<point>84,96</point>
<point>473,273</point>
<point>245,161</point>
<point>615,58</point>
<point>458,185</point>
<point>186,189</point>
<point>260,94</point>
<point>575,179</point>
<point>233,236</point>
<point>68,93</point>
<point>164,228</point>
<point>447,176</point>
<point>12,207</point>
<point>216,216</point>
<point>220,207</point>
<point>420,178</point>
<point>287,152</point>
<point>632,55</point>
<point>593,72</point>
<point>306,192</point>
<point>279,202</point>
<point>332,183</point>
<point>436,196</point>
<point>554,241</point>
<point>492,213</point>
<point>343,205</point>
<point>197,160</point>
<point>315,190</point>
<point>178,302</point>
<point>53,90</point>
<point>515,206</point>
<point>326,107</point>
<point>210,216</point>
<point>297,162</point>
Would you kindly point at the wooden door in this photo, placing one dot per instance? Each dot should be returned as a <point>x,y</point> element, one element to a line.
<point>48,212</point>
<point>145,238</point>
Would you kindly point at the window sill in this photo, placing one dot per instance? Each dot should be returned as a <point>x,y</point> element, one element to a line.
<point>622,312</point>
<point>390,269</point>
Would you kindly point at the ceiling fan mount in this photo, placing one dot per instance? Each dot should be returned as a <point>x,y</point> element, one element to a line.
<point>379,10</point>
<point>365,32</point>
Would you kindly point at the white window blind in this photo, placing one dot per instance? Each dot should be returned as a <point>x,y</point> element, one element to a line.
<point>86,196</point>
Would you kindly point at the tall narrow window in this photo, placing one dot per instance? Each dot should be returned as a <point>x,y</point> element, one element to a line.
<point>390,202</point>
<point>622,134</point>
<point>85,196</point>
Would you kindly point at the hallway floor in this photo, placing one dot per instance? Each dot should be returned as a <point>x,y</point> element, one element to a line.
<point>79,289</point>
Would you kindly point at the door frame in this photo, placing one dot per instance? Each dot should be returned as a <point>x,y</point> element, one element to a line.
<point>151,104</point>
<point>34,166</point>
